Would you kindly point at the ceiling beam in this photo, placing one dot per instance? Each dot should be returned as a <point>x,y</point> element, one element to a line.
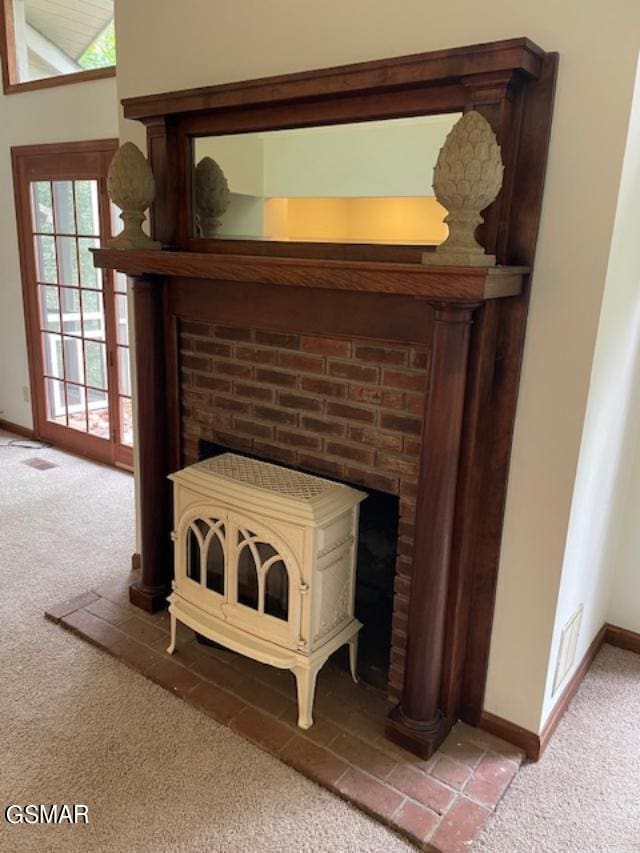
<point>49,53</point>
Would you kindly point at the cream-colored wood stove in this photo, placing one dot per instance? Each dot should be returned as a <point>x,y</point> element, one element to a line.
<point>265,562</point>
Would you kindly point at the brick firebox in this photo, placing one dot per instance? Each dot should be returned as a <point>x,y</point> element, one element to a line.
<point>345,408</point>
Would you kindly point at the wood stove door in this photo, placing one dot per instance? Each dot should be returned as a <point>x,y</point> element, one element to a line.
<point>264,584</point>
<point>201,558</point>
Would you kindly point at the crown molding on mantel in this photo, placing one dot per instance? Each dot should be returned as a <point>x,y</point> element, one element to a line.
<point>438,66</point>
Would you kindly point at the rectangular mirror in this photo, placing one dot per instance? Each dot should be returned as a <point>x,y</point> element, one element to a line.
<point>369,182</point>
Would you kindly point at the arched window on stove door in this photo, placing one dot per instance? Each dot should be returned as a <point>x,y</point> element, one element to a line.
<point>206,553</point>
<point>263,579</point>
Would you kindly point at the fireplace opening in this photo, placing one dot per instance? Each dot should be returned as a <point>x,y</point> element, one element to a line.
<point>376,562</point>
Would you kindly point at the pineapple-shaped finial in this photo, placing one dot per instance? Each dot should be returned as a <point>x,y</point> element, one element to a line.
<point>131,187</point>
<point>466,179</point>
<point>212,196</point>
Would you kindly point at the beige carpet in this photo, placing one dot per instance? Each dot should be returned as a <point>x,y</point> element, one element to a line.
<point>583,796</point>
<point>77,726</point>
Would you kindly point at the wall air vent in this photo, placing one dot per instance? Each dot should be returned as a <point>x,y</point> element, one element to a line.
<point>567,650</point>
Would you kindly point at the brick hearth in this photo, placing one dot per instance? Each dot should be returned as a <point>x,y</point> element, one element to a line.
<point>440,804</point>
<point>345,408</point>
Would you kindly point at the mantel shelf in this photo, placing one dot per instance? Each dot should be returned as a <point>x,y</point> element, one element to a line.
<point>455,284</point>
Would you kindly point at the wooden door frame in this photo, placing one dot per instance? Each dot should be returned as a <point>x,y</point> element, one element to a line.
<point>24,159</point>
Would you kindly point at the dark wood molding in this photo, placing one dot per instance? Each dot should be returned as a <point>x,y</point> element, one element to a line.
<point>172,372</point>
<point>623,638</point>
<point>19,164</point>
<point>7,45</point>
<point>497,98</point>
<point>494,459</point>
<point>371,105</point>
<point>16,429</point>
<point>433,68</point>
<point>62,149</point>
<point>534,744</point>
<point>136,562</point>
<point>346,313</point>
<point>61,80</point>
<point>385,252</point>
<point>155,522</point>
<point>418,722</point>
<point>474,453</point>
<point>170,153</point>
<point>464,284</point>
<point>531,162</point>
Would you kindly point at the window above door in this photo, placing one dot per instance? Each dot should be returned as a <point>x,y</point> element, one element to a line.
<point>47,44</point>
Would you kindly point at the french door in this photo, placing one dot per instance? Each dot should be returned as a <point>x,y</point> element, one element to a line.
<point>76,315</point>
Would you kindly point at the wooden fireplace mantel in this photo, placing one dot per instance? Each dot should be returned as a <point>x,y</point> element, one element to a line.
<point>388,301</point>
<point>447,284</point>
<point>472,321</point>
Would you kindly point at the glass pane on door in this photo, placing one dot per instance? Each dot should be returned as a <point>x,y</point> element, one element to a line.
<point>121,312</point>
<point>46,269</point>
<point>65,218</point>
<point>66,226</point>
<point>56,401</point>
<point>97,402</point>
<point>49,308</point>
<point>42,207</point>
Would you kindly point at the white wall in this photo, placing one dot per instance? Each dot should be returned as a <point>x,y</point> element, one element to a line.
<point>603,543</point>
<point>624,604</point>
<point>623,297</point>
<point>60,114</point>
<point>598,45</point>
<point>372,159</point>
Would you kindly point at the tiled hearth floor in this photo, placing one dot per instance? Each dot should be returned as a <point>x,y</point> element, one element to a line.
<point>440,804</point>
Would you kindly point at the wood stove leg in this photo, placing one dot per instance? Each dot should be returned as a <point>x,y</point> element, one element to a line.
<point>417,723</point>
<point>353,657</point>
<point>150,593</point>
<point>306,685</point>
<point>172,644</point>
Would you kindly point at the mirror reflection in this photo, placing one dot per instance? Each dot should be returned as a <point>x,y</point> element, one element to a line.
<point>369,182</point>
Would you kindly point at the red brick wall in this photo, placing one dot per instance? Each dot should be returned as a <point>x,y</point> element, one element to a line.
<point>350,409</point>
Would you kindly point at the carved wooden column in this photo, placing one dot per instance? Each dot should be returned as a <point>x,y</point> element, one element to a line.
<point>156,553</point>
<point>417,723</point>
